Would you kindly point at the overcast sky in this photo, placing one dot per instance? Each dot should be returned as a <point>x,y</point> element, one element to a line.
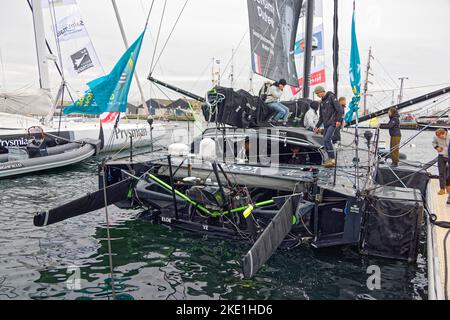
<point>409,38</point>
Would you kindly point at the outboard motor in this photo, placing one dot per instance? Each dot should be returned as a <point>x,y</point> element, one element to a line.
<point>37,146</point>
<point>368,135</point>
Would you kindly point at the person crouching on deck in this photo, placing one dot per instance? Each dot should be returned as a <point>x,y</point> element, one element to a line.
<point>273,101</point>
<point>396,135</point>
<point>330,115</point>
<point>441,143</point>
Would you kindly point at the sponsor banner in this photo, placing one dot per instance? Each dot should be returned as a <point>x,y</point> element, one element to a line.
<point>273,30</point>
<point>82,59</point>
<point>77,51</point>
<point>317,77</point>
<point>21,140</point>
<point>318,43</point>
<point>71,27</point>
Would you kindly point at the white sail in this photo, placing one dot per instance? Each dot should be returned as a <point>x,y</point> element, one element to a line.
<point>37,102</point>
<point>78,55</point>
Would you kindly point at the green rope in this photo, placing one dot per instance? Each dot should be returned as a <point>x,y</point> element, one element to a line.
<point>215,214</point>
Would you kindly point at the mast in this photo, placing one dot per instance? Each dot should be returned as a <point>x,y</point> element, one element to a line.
<point>308,47</point>
<point>400,96</point>
<point>366,82</point>
<point>39,34</point>
<point>336,48</point>
<point>232,69</point>
<point>213,77</point>
<point>125,41</point>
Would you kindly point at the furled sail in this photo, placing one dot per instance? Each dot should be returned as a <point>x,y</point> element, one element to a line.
<point>273,30</point>
<point>38,102</point>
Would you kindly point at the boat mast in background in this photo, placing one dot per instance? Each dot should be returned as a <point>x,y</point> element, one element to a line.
<point>308,47</point>
<point>39,33</point>
<point>125,41</point>
<point>400,96</point>
<point>366,82</point>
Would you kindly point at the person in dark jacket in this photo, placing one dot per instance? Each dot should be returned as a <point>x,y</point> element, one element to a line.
<point>396,135</point>
<point>330,116</point>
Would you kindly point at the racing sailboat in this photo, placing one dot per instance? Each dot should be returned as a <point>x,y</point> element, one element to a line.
<point>20,110</point>
<point>242,179</point>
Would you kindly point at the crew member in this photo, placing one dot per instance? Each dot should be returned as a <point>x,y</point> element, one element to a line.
<point>273,101</point>
<point>330,116</point>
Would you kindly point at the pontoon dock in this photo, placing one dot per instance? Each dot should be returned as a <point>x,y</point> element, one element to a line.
<point>437,268</point>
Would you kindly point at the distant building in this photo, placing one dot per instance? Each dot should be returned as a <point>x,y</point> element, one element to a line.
<point>179,107</point>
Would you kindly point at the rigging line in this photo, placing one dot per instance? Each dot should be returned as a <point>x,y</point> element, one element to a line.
<point>388,74</point>
<point>108,226</point>
<point>236,50</point>
<point>418,87</point>
<point>51,6</point>
<point>162,91</point>
<point>201,75</point>
<point>148,15</point>
<point>157,37</point>
<point>170,35</point>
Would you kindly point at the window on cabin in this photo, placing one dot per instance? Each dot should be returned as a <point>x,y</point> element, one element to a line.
<point>292,154</point>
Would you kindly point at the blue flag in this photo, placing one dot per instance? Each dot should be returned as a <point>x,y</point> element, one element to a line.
<point>110,93</point>
<point>355,74</point>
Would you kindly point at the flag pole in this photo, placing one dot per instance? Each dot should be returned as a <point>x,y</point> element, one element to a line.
<point>356,130</point>
<point>125,41</point>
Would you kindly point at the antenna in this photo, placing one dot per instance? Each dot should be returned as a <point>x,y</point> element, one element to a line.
<point>400,96</point>
<point>366,82</point>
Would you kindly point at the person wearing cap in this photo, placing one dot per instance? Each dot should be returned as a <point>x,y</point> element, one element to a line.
<point>330,116</point>
<point>273,101</point>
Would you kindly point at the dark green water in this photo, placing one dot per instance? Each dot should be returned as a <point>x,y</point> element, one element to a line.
<point>153,262</point>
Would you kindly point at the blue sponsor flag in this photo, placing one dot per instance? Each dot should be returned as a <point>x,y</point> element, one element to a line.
<point>355,74</point>
<point>110,93</point>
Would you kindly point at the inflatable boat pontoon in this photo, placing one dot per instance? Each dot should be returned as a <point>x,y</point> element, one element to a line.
<point>22,161</point>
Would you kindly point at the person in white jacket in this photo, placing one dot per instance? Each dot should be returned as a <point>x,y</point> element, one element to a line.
<point>273,101</point>
<point>312,116</point>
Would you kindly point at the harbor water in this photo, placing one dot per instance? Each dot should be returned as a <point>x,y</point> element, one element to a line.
<point>70,260</point>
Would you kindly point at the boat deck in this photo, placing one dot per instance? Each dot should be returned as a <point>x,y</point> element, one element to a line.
<point>436,235</point>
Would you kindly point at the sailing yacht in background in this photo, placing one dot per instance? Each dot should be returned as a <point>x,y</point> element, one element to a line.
<point>20,110</point>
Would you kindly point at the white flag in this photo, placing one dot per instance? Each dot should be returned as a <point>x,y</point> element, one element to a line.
<point>71,27</point>
<point>77,51</point>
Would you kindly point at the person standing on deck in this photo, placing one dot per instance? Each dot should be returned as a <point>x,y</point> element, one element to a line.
<point>394,131</point>
<point>330,115</point>
<point>337,133</point>
<point>441,143</point>
<point>273,101</point>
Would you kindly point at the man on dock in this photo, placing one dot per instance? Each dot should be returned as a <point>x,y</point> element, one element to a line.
<point>330,115</point>
<point>395,133</point>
